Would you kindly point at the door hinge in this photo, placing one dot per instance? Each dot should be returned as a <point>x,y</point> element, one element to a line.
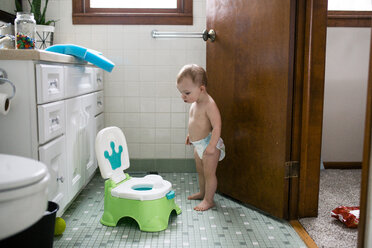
<point>292,169</point>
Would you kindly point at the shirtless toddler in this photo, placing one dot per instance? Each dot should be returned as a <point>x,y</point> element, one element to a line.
<point>204,132</point>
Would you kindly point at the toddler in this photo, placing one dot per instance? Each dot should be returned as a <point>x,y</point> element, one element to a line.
<point>204,130</point>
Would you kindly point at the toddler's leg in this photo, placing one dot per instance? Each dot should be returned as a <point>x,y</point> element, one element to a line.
<point>199,169</point>
<point>209,168</point>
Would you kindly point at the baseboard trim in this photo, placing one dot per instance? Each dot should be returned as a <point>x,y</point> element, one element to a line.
<point>162,165</point>
<point>309,242</point>
<point>342,165</point>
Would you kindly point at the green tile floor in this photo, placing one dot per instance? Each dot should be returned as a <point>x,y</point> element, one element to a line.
<point>228,224</point>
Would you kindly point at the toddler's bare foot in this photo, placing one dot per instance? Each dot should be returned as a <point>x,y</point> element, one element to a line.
<point>204,205</point>
<point>196,196</point>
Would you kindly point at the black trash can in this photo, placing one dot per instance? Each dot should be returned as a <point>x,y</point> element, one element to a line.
<point>39,234</point>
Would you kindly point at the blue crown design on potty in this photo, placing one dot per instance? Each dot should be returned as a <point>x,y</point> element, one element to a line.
<point>115,157</point>
<point>148,200</point>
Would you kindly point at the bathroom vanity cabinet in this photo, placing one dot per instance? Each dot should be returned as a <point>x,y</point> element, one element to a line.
<point>54,117</point>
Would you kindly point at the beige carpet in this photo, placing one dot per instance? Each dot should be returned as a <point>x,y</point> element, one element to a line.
<point>337,187</point>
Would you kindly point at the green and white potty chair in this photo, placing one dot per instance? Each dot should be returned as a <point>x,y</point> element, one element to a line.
<point>148,200</point>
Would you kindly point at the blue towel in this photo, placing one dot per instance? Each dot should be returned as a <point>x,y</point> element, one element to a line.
<point>92,56</point>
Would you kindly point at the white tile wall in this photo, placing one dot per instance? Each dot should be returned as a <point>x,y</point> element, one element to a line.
<point>140,93</point>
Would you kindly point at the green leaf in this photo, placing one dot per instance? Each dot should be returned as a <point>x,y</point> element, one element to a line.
<point>18,5</point>
<point>49,22</point>
<point>38,14</point>
<point>42,19</point>
<point>37,7</point>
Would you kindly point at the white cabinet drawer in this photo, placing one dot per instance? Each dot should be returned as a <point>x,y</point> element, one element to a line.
<point>78,80</point>
<point>49,83</point>
<point>98,73</point>
<point>99,102</point>
<point>51,120</point>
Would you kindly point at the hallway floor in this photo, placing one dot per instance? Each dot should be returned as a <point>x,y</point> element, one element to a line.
<point>337,188</point>
<point>228,224</point>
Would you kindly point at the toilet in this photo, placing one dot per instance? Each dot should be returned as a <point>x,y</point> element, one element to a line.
<point>148,200</point>
<point>23,193</point>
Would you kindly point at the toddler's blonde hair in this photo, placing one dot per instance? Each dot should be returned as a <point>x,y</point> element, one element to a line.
<point>195,72</point>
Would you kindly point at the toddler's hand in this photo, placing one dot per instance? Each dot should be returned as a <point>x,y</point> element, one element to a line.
<point>210,150</point>
<point>187,140</point>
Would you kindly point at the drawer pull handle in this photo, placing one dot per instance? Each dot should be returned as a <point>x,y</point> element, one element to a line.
<point>55,120</point>
<point>61,179</point>
<point>53,84</point>
<point>99,103</point>
<point>99,79</point>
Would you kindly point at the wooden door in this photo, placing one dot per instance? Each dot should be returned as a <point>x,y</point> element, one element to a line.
<point>250,73</point>
<point>365,197</point>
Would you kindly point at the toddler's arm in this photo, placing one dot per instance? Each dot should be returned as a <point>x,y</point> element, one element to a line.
<point>215,118</point>
<point>187,142</point>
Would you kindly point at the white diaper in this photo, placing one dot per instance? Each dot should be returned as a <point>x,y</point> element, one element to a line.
<point>201,145</point>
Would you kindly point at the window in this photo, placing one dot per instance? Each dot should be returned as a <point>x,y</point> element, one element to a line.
<point>346,13</point>
<point>347,5</point>
<point>169,12</point>
<point>134,4</point>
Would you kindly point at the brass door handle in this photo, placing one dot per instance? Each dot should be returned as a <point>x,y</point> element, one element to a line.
<point>211,34</point>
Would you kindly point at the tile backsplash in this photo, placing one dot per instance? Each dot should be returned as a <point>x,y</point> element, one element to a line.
<point>140,94</point>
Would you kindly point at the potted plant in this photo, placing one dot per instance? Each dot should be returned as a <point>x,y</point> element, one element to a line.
<point>44,29</point>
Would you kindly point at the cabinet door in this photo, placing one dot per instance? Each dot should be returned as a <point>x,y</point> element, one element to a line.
<point>88,135</point>
<point>53,154</point>
<point>75,128</point>
<point>100,123</point>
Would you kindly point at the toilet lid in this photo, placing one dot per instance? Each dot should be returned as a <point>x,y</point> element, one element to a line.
<point>18,171</point>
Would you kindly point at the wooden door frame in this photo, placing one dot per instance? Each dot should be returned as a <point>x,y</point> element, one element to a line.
<point>366,157</point>
<point>311,33</point>
<point>310,67</point>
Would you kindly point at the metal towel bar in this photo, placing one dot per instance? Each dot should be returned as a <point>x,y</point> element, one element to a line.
<point>211,34</point>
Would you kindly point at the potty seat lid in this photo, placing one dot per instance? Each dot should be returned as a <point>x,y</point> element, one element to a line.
<point>112,153</point>
<point>17,172</point>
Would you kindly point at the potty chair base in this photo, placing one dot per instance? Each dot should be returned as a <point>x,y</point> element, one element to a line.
<point>151,215</point>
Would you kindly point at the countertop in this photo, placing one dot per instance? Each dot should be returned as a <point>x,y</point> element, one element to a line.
<point>21,54</point>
